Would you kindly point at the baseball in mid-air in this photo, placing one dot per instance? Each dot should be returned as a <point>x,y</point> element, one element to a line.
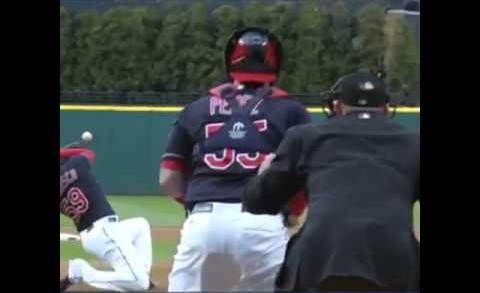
<point>87,136</point>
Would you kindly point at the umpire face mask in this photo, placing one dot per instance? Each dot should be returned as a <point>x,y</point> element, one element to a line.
<point>343,109</point>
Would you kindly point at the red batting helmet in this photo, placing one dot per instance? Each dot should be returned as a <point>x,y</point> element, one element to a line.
<point>253,55</point>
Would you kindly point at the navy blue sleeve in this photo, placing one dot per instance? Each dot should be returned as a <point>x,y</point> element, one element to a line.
<point>179,142</point>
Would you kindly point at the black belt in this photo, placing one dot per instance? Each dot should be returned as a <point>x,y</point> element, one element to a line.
<point>109,219</point>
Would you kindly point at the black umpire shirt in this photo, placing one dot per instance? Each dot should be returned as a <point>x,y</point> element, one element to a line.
<point>361,173</point>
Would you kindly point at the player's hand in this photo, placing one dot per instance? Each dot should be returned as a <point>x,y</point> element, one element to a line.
<point>293,221</point>
<point>179,199</point>
<point>266,163</point>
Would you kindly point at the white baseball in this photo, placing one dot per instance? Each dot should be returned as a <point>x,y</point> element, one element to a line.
<point>87,136</point>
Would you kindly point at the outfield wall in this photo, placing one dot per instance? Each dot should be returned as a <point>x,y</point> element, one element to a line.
<point>129,141</point>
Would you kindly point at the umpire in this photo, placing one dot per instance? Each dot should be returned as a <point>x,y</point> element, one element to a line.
<point>361,172</point>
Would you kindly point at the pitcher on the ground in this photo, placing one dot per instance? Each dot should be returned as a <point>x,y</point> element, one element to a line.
<point>125,245</point>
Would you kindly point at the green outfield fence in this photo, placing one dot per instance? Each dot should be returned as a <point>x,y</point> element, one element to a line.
<point>129,141</point>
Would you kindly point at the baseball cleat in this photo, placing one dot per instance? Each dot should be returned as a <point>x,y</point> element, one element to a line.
<point>64,284</point>
<point>152,285</point>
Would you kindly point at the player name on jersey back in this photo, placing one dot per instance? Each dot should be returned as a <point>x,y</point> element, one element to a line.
<point>81,197</point>
<point>224,137</point>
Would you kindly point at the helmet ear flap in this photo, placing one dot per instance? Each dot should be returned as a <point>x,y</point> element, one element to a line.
<point>230,46</point>
<point>272,56</point>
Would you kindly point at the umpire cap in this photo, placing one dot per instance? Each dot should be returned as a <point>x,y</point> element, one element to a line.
<point>361,89</point>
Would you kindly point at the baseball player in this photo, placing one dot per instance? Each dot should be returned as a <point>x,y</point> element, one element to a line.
<point>362,173</point>
<point>216,145</point>
<point>125,245</point>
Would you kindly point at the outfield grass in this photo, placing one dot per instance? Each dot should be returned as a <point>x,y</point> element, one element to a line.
<point>416,214</point>
<point>73,249</point>
<point>160,211</point>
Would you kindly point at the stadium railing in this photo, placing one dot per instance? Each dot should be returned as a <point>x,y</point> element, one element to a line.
<point>175,98</point>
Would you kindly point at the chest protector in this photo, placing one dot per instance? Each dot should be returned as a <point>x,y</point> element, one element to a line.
<point>245,131</point>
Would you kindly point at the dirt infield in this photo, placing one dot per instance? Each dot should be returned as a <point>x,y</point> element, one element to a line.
<point>158,233</point>
<point>166,234</point>
<point>160,270</point>
<point>159,275</point>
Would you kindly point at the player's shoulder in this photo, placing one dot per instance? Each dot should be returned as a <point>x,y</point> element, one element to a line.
<point>282,99</point>
<point>194,112</point>
<point>78,162</point>
<point>195,106</point>
<point>281,96</point>
<point>279,93</point>
<point>202,104</point>
<point>402,128</point>
<point>408,133</point>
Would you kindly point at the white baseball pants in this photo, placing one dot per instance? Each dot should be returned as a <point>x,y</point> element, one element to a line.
<point>228,250</point>
<point>126,246</point>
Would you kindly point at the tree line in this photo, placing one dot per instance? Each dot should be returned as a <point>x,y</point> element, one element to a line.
<point>180,47</point>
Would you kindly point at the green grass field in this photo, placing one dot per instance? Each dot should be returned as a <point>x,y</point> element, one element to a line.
<point>160,211</point>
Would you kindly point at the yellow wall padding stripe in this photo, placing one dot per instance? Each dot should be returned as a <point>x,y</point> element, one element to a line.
<point>173,109</point>
<point>410,110</point>
<point>117,108</point>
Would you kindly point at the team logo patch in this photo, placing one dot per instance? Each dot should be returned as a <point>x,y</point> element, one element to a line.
<point>237,131</point>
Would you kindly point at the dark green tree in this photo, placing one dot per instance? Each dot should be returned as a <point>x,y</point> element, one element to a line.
<point>371,38</point>
<point>309,74</point>
<point>339,58</point>
<point>281,18</point>
<point>168,66</point>
<point>66,39</point>
<point>180,47</point>
<point>255,14</point>
<point>81,61</point>
<point>226,20</point>
<point>123,50</point>
<point>199,49</point>
<point>402,60</point>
